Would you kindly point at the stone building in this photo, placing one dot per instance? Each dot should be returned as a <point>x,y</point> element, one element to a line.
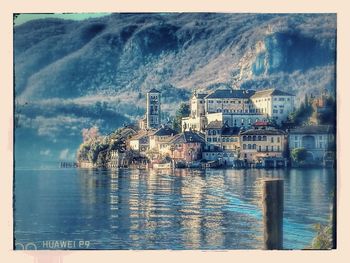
<point>117,159</point>
<point>318,140</point>
<point>140,142</point>
<point>160,138</point>
<point>153,111</point>
<point>273,103</point>
<point>263,146</point>
<point>238,107</point>
<point>187,146</point>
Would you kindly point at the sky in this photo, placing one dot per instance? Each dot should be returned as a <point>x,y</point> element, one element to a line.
<point>22,18</point>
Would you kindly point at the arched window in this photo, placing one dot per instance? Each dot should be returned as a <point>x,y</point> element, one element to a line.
<point>254,146</point>
<point>249,138</point>
<point>254,138</point>
<point>244,138</point>
<point>249,146</point>
<point>259,138</point>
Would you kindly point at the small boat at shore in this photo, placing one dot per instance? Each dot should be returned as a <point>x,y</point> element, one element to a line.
<point>194,164</point>
<point>162,166</point>
<point>212,164</point>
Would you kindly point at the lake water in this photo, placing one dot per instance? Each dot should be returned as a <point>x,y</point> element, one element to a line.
<point>184,209</point>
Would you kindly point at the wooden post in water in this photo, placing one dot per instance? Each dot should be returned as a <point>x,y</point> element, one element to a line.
<point>273,213</point>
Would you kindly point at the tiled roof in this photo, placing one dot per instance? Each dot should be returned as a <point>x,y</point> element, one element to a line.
<point>313,129</point>
<point>230,93</point>
<point>165,131</point>
<point>154,91</point>
<point>200,95</point>
<point>270,92</point>
<point>261,123</point>
<point>263,132</point>
<point>214,125</point>
<point>188,137</point>
<point>229,131</point>
<point>141,135</point>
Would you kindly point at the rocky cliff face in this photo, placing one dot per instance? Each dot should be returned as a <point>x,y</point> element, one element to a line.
<point>70,74</point>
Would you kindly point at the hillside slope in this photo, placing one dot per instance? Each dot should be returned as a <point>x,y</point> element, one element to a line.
<point>73,74</point>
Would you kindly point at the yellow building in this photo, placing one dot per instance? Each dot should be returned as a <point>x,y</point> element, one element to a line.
<point>260,143</point>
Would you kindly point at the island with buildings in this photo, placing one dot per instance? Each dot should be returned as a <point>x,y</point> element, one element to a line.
<point>225,127</point>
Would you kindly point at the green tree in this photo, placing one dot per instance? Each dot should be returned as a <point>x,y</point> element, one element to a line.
<point>299,155</point>
<point>302,114</point>
<point>328,115</point>
<point>323,239</point>
<point>183,111</point>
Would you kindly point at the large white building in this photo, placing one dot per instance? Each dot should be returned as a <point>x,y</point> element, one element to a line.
<point>237,107</point>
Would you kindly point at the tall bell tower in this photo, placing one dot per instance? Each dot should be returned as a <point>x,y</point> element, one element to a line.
<point>153,109</point>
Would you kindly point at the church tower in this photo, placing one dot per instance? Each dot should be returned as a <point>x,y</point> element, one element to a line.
<point>153,109</point>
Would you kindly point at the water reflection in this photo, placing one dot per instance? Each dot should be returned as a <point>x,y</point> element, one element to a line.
<point>184,209</point>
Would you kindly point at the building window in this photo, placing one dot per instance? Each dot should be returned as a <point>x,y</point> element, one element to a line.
<point>249,147</point>
<point>295,145</point>
<point>278,139</point>
<point>259,148</point>
<point>267,148</point>
<point>254,146</point>
<point>209,139</point>
<point>264,138</point>
<point>244,138</point>
<point>249,138</point>
<point>259,138</point>
<point>244,146</point>
<point>215,139</point>
<point>321,145</point>
<point>272,148</point>
<point>272,139</point>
